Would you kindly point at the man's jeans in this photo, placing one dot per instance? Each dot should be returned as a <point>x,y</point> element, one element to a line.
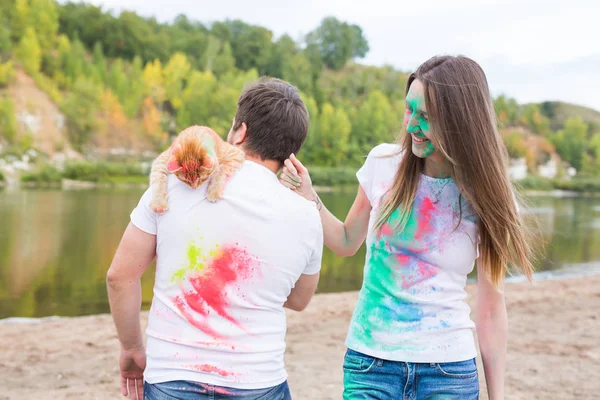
<point>187,390</point>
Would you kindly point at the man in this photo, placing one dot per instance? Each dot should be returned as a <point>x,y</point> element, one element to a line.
<point>224,270</point>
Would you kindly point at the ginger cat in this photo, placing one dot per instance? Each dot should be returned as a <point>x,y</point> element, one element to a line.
<point>196,155</point>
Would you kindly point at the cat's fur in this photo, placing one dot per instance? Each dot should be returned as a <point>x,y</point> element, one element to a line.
<point>196,155</point>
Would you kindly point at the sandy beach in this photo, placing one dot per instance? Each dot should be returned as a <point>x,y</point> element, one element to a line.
<point>553,348</point>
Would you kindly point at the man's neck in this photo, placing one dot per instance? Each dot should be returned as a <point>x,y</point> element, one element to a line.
<point>271,165</point>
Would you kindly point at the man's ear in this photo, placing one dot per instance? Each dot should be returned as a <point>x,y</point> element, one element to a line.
<point>240,135</point>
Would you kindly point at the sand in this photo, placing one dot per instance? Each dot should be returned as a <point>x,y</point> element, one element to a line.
<point>553,353</point>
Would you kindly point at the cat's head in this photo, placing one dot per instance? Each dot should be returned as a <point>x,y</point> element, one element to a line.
<point>193,158</point>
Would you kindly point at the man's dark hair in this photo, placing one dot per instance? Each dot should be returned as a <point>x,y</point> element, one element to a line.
<point>276,119</point>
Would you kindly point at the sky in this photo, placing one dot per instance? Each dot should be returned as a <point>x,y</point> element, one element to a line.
<point>531,50</point>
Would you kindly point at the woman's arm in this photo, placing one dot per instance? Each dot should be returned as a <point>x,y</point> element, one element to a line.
<point>343,238</point>
<point>492,331</point>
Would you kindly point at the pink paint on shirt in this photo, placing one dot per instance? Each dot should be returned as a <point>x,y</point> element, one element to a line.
<point>228,267</point>
<point>211,369</point>
<point>425,212</point>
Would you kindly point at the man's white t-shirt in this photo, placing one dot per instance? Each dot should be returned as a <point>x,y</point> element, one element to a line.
<point>223,272</point>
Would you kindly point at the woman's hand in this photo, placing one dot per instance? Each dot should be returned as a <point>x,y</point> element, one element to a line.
<point>295,177</point>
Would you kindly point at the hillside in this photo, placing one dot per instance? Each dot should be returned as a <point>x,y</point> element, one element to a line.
<point>559,112</point>
<point>116,86</point>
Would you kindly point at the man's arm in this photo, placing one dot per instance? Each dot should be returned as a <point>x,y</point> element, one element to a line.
<point>302,293</point>
<point>123,280</point>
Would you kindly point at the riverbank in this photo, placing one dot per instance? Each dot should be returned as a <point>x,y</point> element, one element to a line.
<point>553,352</point>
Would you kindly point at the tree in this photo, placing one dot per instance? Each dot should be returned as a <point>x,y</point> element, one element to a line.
<point>43,15</point>
<point>570,141</point>
<point>338,42</point>
<point>374,123</point>
<point>515,145</point>
<point>176,71</point>
<point>252,46</point>
<point>334,131</point>
<point>80,109</point>
<point>29,52</point>
<point>8,122</point>
<point>533,119</point>
<point>154,82</point>
<point>507,111</point>
<point>152,123</point>
<point>112,123</point>
<point>5,43</point>
<point>99,61</point>
<point>197,100</point>
<point>19,19</point>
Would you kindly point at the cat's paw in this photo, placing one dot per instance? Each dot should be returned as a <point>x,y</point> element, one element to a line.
<point>214,195</point>
<point>159,206</point>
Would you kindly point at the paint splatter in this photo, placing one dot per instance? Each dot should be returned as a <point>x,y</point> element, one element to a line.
<point>208,286</point>
<point>211,369</point>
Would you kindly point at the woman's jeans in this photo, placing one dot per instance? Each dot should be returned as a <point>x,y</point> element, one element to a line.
<point>367,377</point>
<point>187,390</point>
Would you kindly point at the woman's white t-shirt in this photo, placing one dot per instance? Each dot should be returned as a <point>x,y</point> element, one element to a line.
<point>411,306</point>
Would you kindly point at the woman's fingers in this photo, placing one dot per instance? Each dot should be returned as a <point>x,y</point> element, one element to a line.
<point>297,164</point>
<point>290,167</point>
<point>287,184</point>
<point>294,177</point>
<point>287,180</point>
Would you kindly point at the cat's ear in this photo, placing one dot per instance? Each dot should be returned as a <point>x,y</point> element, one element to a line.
<point>173,165</point>
<point>208,162</point>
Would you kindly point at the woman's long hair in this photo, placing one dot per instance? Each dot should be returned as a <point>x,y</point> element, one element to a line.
<point>463,125</point>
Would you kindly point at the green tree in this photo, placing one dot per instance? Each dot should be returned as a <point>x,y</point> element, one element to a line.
<point>252,46</point>
<point>7,73</point>
<point>333,133</point>
<point>507,111</point>
<point>5,43</point>
<point>80,108</point>
<point>374,123</point>
<point>515,145</point>
<point>43,15</point>
<point>29,52</point>
<point>570,141</point>
<point>533,119</point>
<point>99,61</point>
<point>19,19</point>
<point>154,82</point>
<point>8,121</point>
<point>338,42</point>
<point>176,71</point>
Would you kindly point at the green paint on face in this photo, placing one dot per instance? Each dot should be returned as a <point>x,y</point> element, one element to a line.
<point>195,264</point>
<point>418,125</point>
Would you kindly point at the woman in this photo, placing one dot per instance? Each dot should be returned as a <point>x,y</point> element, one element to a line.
<point>429,207</point>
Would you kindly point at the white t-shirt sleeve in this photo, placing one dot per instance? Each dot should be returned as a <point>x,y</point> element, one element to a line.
<point>365,175</point>
<point>314,265</point>
<point>379,166</point>
<point>142,216</point>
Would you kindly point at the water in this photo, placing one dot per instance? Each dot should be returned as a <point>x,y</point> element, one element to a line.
<point>56,246</point>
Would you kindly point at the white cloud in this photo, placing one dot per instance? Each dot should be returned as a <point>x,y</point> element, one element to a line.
<point>512,39</point>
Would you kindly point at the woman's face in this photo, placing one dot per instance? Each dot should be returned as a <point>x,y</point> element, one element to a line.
<point>416,122</point>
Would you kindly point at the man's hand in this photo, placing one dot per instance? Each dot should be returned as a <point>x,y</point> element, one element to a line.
<point>133,364</point>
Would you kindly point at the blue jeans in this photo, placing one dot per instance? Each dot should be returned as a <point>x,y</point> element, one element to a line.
<point>367,377</point>
<point>188,390</point>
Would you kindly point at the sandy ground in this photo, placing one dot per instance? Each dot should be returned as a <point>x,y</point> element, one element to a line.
<point>553,348</point>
